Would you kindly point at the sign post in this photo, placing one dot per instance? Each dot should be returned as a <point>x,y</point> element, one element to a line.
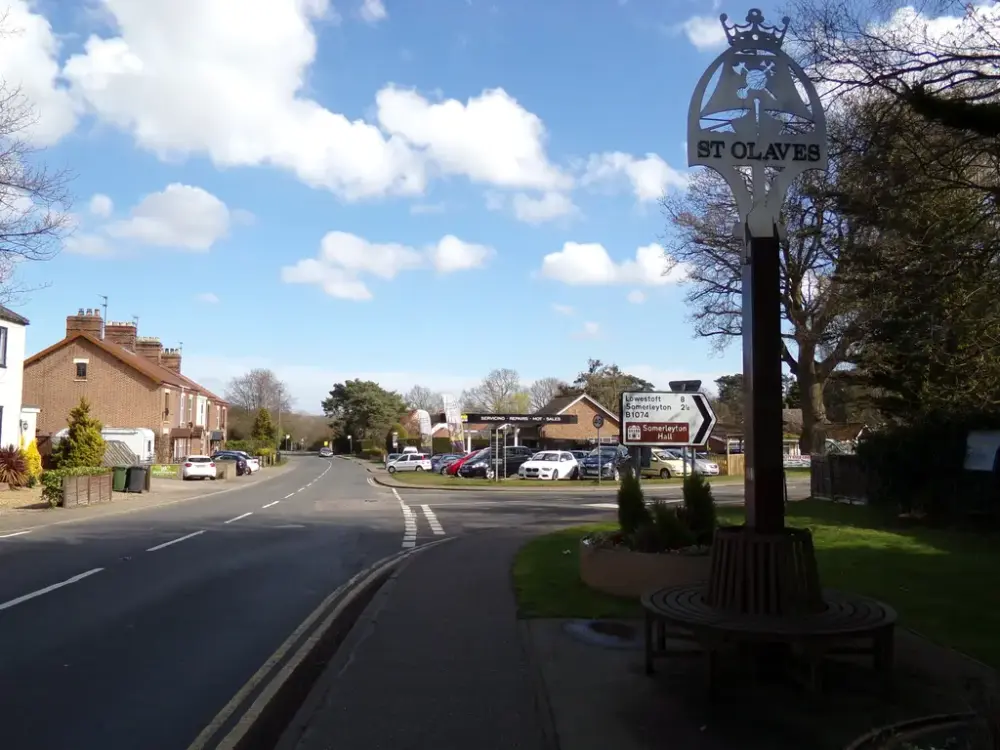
<point>759,133</point>
<point>598,424</point>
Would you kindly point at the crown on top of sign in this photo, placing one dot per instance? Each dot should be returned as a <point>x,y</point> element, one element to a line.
<point>755,33</point>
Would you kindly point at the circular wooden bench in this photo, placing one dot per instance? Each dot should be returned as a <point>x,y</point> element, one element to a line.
<point>842,619</point>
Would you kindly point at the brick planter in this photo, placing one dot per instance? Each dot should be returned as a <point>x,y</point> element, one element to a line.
<point>86,490</point>
<point>622,572</point>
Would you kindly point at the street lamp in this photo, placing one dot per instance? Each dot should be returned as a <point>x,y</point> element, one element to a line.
<point>350,445</point>
<point>288,446</point>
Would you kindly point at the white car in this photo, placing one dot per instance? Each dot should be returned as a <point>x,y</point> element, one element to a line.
<point>665,464</point>
<point>410,462</point>
<point>390,458</point>
<point>552,465</point>
<point>253,464</point>
<point>198,467</point>
<point>701,464</point>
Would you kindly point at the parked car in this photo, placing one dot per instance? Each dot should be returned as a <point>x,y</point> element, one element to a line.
<point>479,467</point>
<point>702,464</point>
<point>663,464</point>
<point>410,462</point>
<point>253,465</point>
<point>391,457</point>
<point>442,461</point>
<point>198,467</point>
<point>457,465</point>
<point>607,461</point>
<point>580,455</point>
<point>550,465</point>
<point>326,452</point>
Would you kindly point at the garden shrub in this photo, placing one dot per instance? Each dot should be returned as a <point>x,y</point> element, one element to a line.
<point>698,513</point>
<point>83,445</point>
<point>632,511</point>
<point>33,460</point>
<point>441,445</point>
<point>13,467</point>
<point>241,445</point>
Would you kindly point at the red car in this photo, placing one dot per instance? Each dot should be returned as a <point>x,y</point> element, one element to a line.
<point>453,469</point>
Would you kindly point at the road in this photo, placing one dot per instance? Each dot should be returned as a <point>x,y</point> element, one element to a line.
<point>168,611</point>
<point>134,631</point>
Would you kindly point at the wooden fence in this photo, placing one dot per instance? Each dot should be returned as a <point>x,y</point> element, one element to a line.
<point>86,490</point>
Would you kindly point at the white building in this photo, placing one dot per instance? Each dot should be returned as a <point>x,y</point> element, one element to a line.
<point>14,424</point>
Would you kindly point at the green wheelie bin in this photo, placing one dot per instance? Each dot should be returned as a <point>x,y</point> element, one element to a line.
<point>118,476</point>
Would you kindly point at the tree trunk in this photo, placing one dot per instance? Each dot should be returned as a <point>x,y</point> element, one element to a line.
<point>811,382</point>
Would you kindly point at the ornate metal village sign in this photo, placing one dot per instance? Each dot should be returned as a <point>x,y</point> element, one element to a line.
<point>761,125</point>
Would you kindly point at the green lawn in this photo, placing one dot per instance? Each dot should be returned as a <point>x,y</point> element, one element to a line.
<point>940,581</point>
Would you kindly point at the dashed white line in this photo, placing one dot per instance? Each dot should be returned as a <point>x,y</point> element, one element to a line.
<point>15,533</point>
<point>175,541</point>
<point>409,523</point>
<point>288,495</point>
<point>270,504</point>
<point>432,520</point>
<point>47,589</point>
<point>239,517</point>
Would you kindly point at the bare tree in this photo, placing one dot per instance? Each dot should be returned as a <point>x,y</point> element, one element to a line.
<point>259,389</point>
<point>501,391</point>
<point>544,390</point>
<point>819,319</point>
<point>34,201</point>
<point>420,397</point>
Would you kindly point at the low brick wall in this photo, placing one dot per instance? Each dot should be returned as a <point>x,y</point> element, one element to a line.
<point>87,490</point>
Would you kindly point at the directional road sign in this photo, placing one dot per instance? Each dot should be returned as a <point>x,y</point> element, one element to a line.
<point>666,418</point>
<point>598,421</point>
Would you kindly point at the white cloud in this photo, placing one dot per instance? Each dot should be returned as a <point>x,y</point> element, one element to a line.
<point>636,297</point>
<point>704,32</point>
<point>548,206</point>
<point>373,11</point>
<point>208,298</point>
<point>246,64</point>
<point>590,330</point>
<point>418,209</point>
<point>345,258</point>
<point>180,216</point>
<point>490,138</point>
<point>29,62</point>
<point>452,254</point>
<point>93,245</point>
<point>101,205</point>
<point>563,309</point>
<point>588,264</point>
<point>650,177</point>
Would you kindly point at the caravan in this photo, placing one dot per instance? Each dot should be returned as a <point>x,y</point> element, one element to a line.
<point>138,440</point>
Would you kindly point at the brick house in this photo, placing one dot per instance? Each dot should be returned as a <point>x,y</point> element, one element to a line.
<point>130,382</point>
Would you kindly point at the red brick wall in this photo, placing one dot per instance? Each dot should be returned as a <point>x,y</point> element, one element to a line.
<point>584,428</point>
<point>118,395</point>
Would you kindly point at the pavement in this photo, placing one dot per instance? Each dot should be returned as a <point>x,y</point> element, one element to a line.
<point>440,659</point>
<point>133,630</point>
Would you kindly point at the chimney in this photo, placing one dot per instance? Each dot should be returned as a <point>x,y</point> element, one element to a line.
<point>122,334</point>
<point>149,347</point>
<point>171,359</point>
<point>85,321</point>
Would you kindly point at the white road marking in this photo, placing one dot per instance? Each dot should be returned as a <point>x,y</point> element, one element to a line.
<point>270,504</point>
<point>175,541</point>
<point>239,517</point>
<point>603,506</point>
<point>432,520</point>
<point>372,482</point>
<point>409,523</point>
<point>47,589</point>
<point>288,495</point>
<point>15,533</point>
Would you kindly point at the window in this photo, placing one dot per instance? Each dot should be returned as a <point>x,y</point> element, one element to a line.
<point>81,370</point>
<point>166,403</point>
<point>3,347</point>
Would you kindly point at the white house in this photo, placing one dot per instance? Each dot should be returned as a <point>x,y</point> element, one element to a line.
<point>12,342</point>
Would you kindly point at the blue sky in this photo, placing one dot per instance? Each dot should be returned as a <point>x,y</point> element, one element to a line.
<point>452,223</point>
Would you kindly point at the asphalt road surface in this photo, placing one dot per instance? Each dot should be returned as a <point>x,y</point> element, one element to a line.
<point>132,632</point>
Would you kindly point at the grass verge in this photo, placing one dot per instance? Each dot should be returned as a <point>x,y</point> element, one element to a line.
<point>937,579</point>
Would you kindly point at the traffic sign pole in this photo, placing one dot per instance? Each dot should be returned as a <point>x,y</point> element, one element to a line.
<point>599,423</point>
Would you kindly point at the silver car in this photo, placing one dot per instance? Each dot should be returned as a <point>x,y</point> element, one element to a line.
<point>410,462</point>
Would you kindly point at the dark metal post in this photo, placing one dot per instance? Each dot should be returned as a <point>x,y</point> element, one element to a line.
<point>762,410</point>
